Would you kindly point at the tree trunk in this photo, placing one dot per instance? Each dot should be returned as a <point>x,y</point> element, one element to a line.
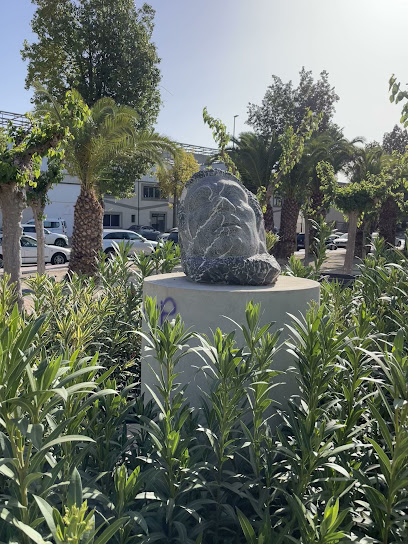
<point>287,232</point>
<point>13,202</point>
<point>268,217</point>
<point>308,240</point>
<point>316,204</point>
<point>175,209</point>
<point>38,211</point>
<point>360,240</point>
<point>87,233</point>
<point>388,220</point>
<point>351,244</point>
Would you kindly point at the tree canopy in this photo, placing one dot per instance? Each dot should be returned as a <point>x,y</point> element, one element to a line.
<point>102,49</point>
<point>172,178</point>
<point>285,105</point>
<point>396,140</point>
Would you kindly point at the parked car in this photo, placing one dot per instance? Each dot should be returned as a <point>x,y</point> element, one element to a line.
<point>341,241</point>
<point>300,242</point>
<point>330,241</point>
<point>51,238</point>
<point>112,238</point>
<point>53,225</point>
<point>171,236</point>
<point>52,254</point>
<point>146,231</point>
<point>399,243</point>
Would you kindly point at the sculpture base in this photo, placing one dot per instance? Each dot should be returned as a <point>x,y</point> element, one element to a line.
<point>203,308</point>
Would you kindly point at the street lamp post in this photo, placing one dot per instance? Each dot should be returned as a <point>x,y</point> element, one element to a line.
<point>233,133</point>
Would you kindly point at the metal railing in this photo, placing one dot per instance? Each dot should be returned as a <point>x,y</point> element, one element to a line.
<point>20,120</point>
<point>16,119</point>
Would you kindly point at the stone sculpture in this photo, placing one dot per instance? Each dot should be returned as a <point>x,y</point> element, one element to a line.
<point>221,232</point>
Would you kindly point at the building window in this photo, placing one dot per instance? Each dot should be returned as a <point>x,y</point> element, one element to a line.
<point>133,218</point>
<point>151,192</point>
<point>277,202</point>
<point>159,221</point>
<point>111,220</point>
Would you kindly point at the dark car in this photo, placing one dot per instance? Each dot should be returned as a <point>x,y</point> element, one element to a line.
<point>146,231</point>
<point>173,237</point>
<point>300,242</point>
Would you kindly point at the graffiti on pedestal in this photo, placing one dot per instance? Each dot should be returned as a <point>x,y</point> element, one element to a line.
<point>168,309</point>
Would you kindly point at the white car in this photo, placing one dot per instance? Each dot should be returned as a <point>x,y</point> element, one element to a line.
<point>58,226</point>
<point>113,237</point>
<point>51,238</point>
<point>342,241</point>
<point>52,254</point>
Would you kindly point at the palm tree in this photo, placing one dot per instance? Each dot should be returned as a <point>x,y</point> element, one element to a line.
<point>106,133</point>
<point>256,157</point>
<point>294,192</point>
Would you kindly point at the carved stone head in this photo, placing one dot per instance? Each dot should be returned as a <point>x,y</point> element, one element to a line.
<point>221,232</point>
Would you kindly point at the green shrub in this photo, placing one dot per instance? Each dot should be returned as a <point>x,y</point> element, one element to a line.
<point>84,460</point>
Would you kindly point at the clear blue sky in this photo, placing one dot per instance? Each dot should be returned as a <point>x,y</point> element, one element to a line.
<point>222,53</point>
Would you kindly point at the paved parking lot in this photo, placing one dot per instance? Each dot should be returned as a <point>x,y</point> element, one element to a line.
<point>333,264</point>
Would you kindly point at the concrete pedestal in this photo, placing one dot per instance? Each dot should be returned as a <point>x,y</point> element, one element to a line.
<point>202,307</point>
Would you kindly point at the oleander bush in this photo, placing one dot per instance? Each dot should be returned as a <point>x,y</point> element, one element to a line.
<point>84,460</point>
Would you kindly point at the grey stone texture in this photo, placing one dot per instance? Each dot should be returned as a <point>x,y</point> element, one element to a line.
<point>221,232</point>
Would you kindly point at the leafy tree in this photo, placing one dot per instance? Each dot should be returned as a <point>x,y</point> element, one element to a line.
<point>21,150</point>
<point>353,199</point>
<point>396,140</point>
<point>366,162</point>
<point>37,199</point>
<point>391,201</point>
<point>222,139</point>
<point>285,105</point>
<point>106,133</point>
<point>101,49</point>
<point>121,173</point>
<point>172,178</point>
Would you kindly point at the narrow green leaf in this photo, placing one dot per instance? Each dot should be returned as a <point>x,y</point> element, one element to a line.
<point>74,495</point>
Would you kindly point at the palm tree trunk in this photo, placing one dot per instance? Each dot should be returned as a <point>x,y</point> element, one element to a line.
<point>352,229</point>
<point>268,217</point>
<point>87,233</point>
<point>12,202</point>
<point>388,220</point>
<point>316,204</point>
<point>287,232</point>
<point>38,211</point>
